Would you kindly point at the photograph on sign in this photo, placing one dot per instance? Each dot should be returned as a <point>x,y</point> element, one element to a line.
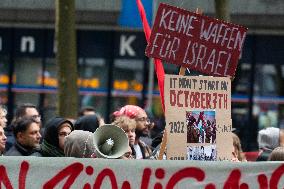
<point>201,127</point>
<point>198,113</point>
<point>202,153</point>
<point>196,41</point>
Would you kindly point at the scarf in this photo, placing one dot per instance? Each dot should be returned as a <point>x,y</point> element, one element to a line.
<point>49,150</point>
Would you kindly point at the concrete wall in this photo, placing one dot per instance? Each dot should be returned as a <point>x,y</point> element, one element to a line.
<point>33,12</point>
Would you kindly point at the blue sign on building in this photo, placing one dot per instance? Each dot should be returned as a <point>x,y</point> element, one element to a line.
<point>129,16</point>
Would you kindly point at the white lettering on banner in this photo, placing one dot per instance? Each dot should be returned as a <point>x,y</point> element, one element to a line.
<point>125,45</point>
<point>0,43</point>
<point>27,44</point>
<point>74,173</point>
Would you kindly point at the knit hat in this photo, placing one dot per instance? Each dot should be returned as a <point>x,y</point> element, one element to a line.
<point>268,138</point>
<point>79,144</point>
<point>130,111</point>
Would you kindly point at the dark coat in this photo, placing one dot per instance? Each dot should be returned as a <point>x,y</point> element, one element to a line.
<point>264,156</point>
<point>19,150</point>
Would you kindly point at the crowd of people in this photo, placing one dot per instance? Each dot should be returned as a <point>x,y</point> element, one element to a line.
<point>61,137</point>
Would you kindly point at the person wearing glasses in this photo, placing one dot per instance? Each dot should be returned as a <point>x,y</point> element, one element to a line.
<point>53,140</point>
<point>24,110</point>
<point>143,124</point>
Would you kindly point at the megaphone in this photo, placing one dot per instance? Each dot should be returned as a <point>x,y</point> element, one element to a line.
<point>110,142</point>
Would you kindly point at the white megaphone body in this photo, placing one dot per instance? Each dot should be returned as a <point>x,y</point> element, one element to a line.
<point>110,142</point>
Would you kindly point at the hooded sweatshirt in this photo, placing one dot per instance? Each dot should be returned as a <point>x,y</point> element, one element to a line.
<point>79,144</point>
<point>268,139</point>
<point>50,144</point>
<point>87,123</point>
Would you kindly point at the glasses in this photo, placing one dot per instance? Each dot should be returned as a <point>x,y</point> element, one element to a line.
<point>143,119</point>
<point>36,116</point>
<point>63,134</point>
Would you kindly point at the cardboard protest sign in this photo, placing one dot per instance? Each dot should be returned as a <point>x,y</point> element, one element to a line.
<point>198,117</point>
<point>196,41</point>
<point>77,173</point>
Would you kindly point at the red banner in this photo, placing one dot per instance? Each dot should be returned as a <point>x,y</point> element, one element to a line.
<point>196,41</point>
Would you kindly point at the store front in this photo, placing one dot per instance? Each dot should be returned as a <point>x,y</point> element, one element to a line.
<point>113,71</point>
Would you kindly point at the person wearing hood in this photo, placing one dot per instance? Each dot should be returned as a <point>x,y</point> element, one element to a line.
<point>269,139</point>
<point>79,144</point>
<point>55,132</point>
<point>87,123</point>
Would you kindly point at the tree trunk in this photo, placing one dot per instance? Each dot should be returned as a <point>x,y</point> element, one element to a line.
<point>66,58</point>
<point>222,10</point>
<point>280,92</point>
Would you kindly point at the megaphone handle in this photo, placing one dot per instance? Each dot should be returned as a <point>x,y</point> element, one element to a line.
<point>163,145</point>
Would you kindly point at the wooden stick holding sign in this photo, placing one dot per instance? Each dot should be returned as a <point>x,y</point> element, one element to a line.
<point>164,139</point>
<point>183,69</point>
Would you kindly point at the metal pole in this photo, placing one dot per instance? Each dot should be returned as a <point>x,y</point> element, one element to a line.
<point>151,72</point>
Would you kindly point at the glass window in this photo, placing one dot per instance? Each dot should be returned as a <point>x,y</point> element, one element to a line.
<point>4,79</point>
<point>93,83</point>
<point>26,82</point>
<point>50,84</point>
<point>127,82</point>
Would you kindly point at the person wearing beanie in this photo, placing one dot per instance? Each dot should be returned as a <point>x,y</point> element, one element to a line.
<point>79,144</point>
<point>87,123</point>
<point>55,132</point>
<point>143,126</point>
<point>268,139</point>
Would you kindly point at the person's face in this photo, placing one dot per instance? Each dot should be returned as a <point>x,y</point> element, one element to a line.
<point>3,140</point>
<point>31,137</point>
<point>32,112</point>
<point>131,136</point>
<point>142,124</point>
<point>3,119</point>
<point>62,133</point>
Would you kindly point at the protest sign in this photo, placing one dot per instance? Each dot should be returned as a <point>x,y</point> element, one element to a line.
<point>196,41</point>
<point>198,117</point>
<point>74,173</point>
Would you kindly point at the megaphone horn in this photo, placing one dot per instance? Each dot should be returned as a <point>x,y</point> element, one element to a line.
<point>110,142</point>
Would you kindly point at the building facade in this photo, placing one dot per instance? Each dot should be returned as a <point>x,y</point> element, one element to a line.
<point>113,69</point>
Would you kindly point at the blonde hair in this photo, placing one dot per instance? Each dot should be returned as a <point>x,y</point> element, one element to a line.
<point>125,123</point>
<point>237,146</point>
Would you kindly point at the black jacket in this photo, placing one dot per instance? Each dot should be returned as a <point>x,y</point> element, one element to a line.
<point>19,150</point>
